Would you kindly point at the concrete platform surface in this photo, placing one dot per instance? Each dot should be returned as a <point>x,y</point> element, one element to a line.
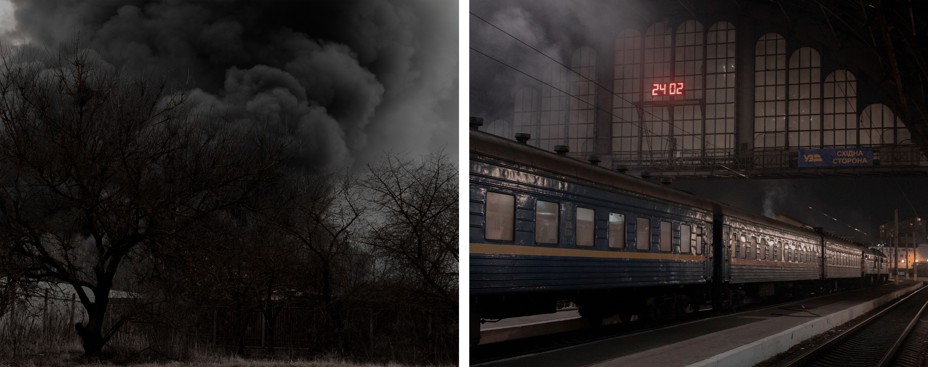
<point>741,339</point>
<point>753,343</point>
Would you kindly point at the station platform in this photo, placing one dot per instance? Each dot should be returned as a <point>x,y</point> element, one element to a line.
<point>774,331</point>
<point>740,339</point>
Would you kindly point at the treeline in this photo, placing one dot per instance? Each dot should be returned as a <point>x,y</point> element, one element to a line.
<point>212,227</point>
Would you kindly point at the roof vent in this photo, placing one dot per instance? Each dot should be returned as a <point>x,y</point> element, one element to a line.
<point>594,159</point>
<point>476,122</point>
<point>561,149</point>
<point>523,137</point>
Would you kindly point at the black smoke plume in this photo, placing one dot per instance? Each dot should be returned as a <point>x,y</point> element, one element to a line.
<point>345,80</point>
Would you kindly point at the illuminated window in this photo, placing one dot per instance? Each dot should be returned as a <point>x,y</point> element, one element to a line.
<point>666,237</point>
<point>840,110</point>
<point>625,124</point>
<point>805,99</point>
<point>500,216</point>
<point>585,227</point>
<point>720,89</point>
<point>770,92</point>
<point>643,234</point>
<point>698,240</point>
<point>685,239</point>
<point>616,230</point>
<point>546,222</point>
<point>747,247</point>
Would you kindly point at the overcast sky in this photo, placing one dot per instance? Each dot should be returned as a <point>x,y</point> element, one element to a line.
<point>349,79</point>
<point>840,204</point>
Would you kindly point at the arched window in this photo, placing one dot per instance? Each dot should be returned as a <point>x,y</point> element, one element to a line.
<point>720,89</point>
<point>805,85</point>
<point>688,69</point>
<point>527,113</point>
<point>625,124</point>
<point>582,103</point>
<point>658,56</point>
<point>770,92</point>
<point>499,128</point>
<point>840,109</point>
<point>554,107</point>
<point>879,126</point>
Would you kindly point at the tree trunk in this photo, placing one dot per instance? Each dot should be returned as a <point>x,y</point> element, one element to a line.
<point>91,333</point>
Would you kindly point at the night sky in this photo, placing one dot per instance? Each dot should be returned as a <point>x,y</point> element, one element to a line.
<point>849,206</point>
<point>347,80</point>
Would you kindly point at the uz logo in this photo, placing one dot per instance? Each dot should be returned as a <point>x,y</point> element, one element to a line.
<point>812,158</point>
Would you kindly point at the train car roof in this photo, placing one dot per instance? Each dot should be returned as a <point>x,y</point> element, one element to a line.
<point>489,145</point>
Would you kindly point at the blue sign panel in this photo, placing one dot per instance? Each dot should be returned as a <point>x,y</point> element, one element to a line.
<point>848,157</point>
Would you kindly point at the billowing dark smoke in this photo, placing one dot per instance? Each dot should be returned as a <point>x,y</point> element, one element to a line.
<point>556,28</point>
<point>347,80</point>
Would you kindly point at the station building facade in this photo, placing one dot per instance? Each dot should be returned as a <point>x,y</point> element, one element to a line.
<point>711,95</point>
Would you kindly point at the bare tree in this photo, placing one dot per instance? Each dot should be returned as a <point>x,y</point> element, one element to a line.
<point>95,167</point>
<point>320,214</point>
<point>417,238</point>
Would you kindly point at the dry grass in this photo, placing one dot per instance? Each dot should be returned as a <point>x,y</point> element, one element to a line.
<point>73,359</point>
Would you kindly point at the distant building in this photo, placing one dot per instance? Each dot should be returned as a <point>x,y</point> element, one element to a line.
<point>913,241</point>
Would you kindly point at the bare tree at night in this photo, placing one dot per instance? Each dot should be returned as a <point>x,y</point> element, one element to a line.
<point>96,167</point>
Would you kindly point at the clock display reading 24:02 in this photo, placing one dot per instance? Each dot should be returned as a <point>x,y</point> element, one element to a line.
<point>667,89</point>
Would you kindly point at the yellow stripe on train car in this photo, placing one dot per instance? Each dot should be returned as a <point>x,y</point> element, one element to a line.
<point>501,249</point>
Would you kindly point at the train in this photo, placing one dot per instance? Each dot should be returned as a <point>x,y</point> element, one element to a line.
<point>546,228</point>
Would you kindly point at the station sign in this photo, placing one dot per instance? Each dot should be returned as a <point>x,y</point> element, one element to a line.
<point>846,157</point>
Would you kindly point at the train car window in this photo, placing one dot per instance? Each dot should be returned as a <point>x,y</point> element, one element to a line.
<point>546,222</point>
<point>643,234</point>
<point>616,230</point>
<point>666,237</point>
<point>747,247</point>
<point>756,248</point>
<point>735,245</point>
<point>698,240</point>
<point>500,216</point>
<point>685,238</point>
<point>766,254</point>
<point>585,227</point>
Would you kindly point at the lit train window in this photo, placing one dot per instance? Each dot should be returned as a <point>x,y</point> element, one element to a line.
<point>585,227</point>
<point>747,247</point>
<point>685,239</point>
<point>546,222</point>
<point>756,248</point>
<point>666,237</point>
<point>500,216</point>
<point>766,247</point>
<point>643,234</point>
<point>616,230</point>
<point>698,235</point>
<point>736,245</point>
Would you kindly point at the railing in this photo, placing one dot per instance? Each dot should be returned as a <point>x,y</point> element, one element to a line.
<point>726,162</point>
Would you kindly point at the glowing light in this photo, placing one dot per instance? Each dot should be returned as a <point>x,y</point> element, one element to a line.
<point>667,89</point>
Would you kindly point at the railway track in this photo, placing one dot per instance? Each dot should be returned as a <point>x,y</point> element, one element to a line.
<point>886,338</point>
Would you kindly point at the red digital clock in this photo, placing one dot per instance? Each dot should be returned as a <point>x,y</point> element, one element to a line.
<point>667,89</point>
